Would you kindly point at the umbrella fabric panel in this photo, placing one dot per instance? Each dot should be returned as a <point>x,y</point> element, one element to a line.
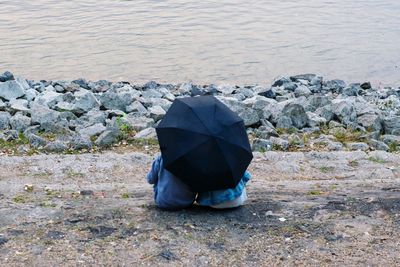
<point>181,116</point>
<point>204,168</point>
<point>175,142</point>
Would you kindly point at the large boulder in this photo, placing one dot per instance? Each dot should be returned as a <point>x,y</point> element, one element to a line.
<point>11,90</point>
<point>157,113</point>
<point>249,115</point>
<point>107,138</point>
<point>297,115</point>
<point>148,133</point>
<point>84,101</point>
<point>19,105</point>
<point>371,122</point>
<point>344,110</point>
<point>49,120</point>
<point>92,130</point>
<point>49,98</point>
<point>20,122</point>
<point>137,123</point>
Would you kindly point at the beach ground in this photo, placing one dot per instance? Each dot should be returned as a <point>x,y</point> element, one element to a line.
<point>304,208</point>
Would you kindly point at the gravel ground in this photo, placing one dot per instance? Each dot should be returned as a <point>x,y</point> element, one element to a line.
<point>312,208</point>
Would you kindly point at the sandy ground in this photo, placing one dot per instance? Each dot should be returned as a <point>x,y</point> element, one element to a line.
<point>314,209</point>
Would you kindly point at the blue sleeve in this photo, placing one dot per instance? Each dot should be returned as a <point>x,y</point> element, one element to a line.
<point>246,177</point>
<point>152,176</point>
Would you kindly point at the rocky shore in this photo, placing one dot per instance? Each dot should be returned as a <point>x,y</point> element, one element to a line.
<point>302,112</point>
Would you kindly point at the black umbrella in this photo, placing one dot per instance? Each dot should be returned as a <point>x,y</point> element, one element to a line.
<point>204,143</point>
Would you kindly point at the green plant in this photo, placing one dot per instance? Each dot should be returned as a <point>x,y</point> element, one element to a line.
<point>326,169</point>
<point>376,160</point>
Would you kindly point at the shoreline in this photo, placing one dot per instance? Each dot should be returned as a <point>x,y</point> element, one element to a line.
<point>297,113</point>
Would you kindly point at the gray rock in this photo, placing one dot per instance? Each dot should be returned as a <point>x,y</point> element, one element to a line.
<point>2,105</point>
<point>49,98</point>
<point>284,122</point>
<point>32,130</point>
<point>290,87</point>
<point>9,135</point>
<point>84,101</point>
<point>107,138</point>
<point>281,81</point>
<point>119,98</point>
<point>371,122</point>
<point>92,130</point>
<point>6,76</point>
<point>150,102</point>
<point>357,146</point>
<point>4,120</point>
<point>316,81</point>
<point>307,77</point>
<point>20,122</point>
<point>366,85</point>
<point>262,145</point>
<point>30,94</point>
<point>19,105</point>
<point>391,125</point>
<point>156,113</point>
<point>325,112</point>
<point>378,145</point>
<point>279,143</point>
<point>302,90</point>
<point>334,146</point>
<point>249,115</point>
<point>11,90</point>
<point>344,110</point>
<point>90,118</point>
<point>49,120</point>
<point>314,120</point>
<point>225,89</point>
<point>318,101</point>
<point>352,90</point>
<point>248,93</point>
<point>297,115</point>
<point>137,108</point>
<point>239,96</point>
<point>152,93</point>
<point>335,85</point>
<point>36,141</point>
<point>265,131</point>
<point>269,93</point>
<point>139,123</point>
<point>55,146</point>
<point>81,142</point>
<point>148,133</point>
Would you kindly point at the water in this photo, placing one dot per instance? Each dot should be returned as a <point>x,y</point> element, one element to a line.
<point>224,41</point>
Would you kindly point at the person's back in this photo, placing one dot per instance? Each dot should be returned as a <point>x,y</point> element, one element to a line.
<point>169,191</point>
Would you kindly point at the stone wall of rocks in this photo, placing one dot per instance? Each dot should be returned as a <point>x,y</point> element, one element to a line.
<point>81,114</point>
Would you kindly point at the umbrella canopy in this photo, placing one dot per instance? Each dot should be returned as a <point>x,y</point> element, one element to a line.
<point>204,143</point>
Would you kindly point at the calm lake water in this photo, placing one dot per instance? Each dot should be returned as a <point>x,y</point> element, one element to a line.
<point>224,41</point>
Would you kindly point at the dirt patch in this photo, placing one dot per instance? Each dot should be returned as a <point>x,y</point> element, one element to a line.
<point>300,215</point>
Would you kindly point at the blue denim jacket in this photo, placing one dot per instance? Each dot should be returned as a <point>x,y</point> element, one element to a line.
<point>169,191</point>
<point>172,193</point>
